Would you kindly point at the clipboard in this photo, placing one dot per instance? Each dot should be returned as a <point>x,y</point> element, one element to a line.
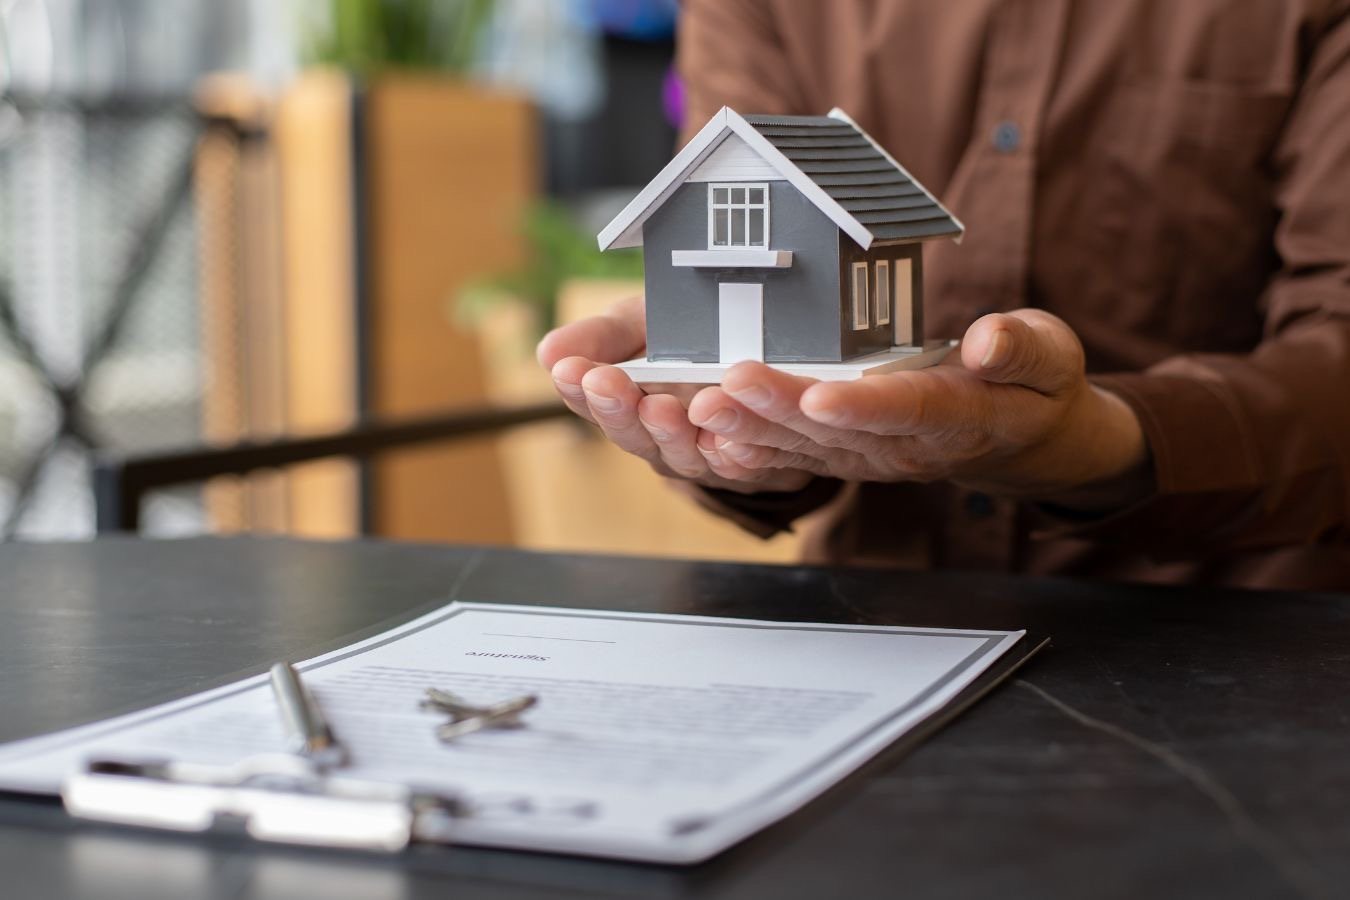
<point>210,762</point>
<point>286,799</point>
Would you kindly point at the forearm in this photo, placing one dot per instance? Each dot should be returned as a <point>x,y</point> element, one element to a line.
<point>1248,452</point>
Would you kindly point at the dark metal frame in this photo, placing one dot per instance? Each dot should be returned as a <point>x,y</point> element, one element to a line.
<point>120,483</point>
<point>150,232</point>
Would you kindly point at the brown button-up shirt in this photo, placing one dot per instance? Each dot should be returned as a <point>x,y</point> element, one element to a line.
<point>1173,180</point>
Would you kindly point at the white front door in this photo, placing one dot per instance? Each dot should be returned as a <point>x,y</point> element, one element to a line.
<point>740,322</point>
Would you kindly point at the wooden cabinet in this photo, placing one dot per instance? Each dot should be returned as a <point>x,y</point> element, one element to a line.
<point>328,280</point>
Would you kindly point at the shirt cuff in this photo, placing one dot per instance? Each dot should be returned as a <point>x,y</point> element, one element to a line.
<point>1199,443</point>
<point>766,513</point>
<point>1204,469</point>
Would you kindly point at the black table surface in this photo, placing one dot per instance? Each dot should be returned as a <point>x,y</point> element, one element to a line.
<point>1168,743</point>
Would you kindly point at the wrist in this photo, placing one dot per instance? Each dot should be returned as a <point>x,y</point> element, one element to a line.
<point>1115,467</point>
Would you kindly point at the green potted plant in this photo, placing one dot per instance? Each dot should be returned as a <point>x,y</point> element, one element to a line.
<point>512,308</point>
<point>366,36</point>
<point>558,249</point>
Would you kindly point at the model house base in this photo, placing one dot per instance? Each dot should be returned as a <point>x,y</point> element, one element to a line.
<point>682,371</point>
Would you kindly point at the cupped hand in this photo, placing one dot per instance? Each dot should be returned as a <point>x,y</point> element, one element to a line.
<point>1011,413</point>
<point>652,424</point>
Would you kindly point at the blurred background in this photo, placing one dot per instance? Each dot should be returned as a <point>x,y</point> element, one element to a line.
<point>243,221</point>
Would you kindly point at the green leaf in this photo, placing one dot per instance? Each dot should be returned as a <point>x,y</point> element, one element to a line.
<point>558,249</point>
<point>365,36</point>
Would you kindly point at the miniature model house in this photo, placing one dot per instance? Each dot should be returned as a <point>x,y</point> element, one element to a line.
<point>793,240</point>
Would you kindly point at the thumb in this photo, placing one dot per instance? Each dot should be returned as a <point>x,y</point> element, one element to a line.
<point>1027,347</point>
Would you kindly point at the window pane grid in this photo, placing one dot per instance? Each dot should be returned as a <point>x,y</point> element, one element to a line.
<point>738,216</point>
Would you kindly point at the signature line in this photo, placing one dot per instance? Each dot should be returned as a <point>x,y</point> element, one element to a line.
<point>544,637</point>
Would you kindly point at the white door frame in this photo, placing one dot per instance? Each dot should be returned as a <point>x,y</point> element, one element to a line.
<point>740,322</point>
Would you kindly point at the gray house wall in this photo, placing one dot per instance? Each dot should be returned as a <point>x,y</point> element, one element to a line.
<point>877,337</point>
<point>801,303</point>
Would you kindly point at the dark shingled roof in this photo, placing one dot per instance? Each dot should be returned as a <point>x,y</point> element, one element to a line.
<point>845,163</point>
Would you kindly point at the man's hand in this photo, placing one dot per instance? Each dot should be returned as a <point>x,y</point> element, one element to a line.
<point>653,426</point>
<point>1010,413</point>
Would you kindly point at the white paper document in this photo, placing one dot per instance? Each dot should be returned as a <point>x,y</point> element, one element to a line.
<point>656,737</point>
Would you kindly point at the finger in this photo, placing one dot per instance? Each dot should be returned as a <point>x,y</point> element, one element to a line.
<point>680,391</point>
<point>567,374</point>
<point>754,442</point>
<point>757,457</point>
<point>724,466</point>
<point>775,397</point>
<point>674,435</point>
<point>714,410</point>
<point>1028,347</point>
<point>613,400</point>
<point>755,481</point>
<point>932,401</point>
<point>617,335</point>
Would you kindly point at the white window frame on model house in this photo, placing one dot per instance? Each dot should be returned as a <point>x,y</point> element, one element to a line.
<point>735,211</point>
<point>883,292</point>
<point>860,317</point>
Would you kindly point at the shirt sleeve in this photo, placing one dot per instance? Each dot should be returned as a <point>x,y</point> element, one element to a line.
<point>729,54</point>
<point>1250,451</point>
<point>1253,451</point>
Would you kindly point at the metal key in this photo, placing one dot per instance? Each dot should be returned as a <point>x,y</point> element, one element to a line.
<point>465,718</point>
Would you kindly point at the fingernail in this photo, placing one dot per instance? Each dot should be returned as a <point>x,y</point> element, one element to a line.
<point>659,434</point>
<point>601,402</point>
<point>567,389</point>
<point>754,395</point>
<point>735,451</point>
<point>827,415</point>
<point>999,349</point>
<point>722,420</point>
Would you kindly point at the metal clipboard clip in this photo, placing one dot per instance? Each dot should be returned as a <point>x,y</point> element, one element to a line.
<point>293,798</point>
<point>277,798</point>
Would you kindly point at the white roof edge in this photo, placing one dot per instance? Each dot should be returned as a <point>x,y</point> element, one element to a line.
<point>842,116</point>
<point>618,232</point>
<point>799,179</point>
<point>625,229</point>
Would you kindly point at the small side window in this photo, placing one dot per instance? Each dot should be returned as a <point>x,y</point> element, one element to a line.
<point>860,319</point>
<point>883,292</point>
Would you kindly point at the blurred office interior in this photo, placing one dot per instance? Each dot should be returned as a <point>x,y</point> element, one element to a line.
<point>226,222</point>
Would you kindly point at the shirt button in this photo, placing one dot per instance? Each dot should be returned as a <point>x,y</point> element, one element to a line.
<point>1007,137</point>
<point>979,506</point>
